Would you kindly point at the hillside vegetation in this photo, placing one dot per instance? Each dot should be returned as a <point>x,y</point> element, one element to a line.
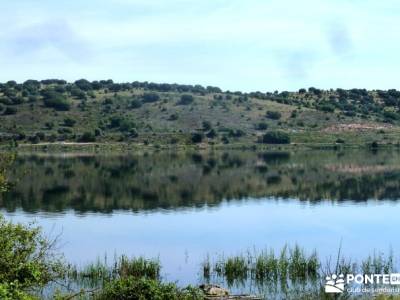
<point>145,113</point>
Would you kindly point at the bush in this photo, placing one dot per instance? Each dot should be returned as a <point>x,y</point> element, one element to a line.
<point>186,99</point>
<point>340,141</point>
<point>326,108</point>
<point>133,288</point>
<point>27,260</point>
<point>262,126</point>
<point>274,115</point>
<point>276,137</point>
<point>390,115</point>
<point>173,117</point>
<point>69,122</point>
<point>211,134</point>
<point>197,137</point>
<point>87,137</point>
<point>135,103</point>
<point>55,100</point>
<point>10,111</point>
<point>150,97</point>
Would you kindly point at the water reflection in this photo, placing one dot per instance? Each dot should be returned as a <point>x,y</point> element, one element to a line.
<point>142,182</point>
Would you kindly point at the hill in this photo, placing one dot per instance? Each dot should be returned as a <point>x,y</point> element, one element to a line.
<point>145,113</point>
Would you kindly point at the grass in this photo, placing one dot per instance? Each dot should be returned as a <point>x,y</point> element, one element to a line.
<point>291,267</point>
<point>290,264</point>
<point>101,271</point>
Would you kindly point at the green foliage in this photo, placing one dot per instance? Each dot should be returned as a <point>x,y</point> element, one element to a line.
<point>186,99</point>
<point>10,111</point>
<point>207,125</point>
<point>87,137</point>
<point>131,288</point>
<point>135,103</point>
<point>273,115</point>
<point>326,107</point>
<point>27,259</point>
<point>69,122</point>
<point>55,100</point>
<point>150,97</point>
<point>262,126</point>
<point>276,137</point>
<point>197,137</point>
<point>22,104</point>
<point>211,134</point>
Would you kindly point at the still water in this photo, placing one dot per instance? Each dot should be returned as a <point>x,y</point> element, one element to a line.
<point>181,207</point>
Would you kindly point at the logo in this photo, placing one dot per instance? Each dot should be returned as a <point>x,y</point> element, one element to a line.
<point>334,284</point>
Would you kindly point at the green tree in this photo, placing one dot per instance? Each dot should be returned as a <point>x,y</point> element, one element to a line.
<point>276,137</point>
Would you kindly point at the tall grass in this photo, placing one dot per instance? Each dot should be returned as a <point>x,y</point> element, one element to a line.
<point>101,271</point>
<point>291,265</point>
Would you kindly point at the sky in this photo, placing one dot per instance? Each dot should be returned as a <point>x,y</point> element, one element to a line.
<point>246,45</point>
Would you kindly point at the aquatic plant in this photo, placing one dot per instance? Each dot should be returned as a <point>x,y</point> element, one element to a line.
<point>99,272</point>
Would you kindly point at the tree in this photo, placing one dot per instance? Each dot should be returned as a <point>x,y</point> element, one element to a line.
<point>55,100</point>
<point>83,84</point>
<point>276,137</point>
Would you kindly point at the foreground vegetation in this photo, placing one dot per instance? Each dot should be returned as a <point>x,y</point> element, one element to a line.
<point>150,114</point>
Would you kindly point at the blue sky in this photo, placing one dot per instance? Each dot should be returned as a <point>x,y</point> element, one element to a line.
<point>244,45</point>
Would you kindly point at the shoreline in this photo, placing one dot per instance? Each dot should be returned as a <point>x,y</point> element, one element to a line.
<point>105,147</point>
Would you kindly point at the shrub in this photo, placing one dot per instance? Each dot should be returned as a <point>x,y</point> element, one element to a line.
<point>197,137</point>
<point>276,137</point>
<point>273,115</point>
<point>87,137</point>
<point>390,115</point>
<point>55,100</point>
<point>262,126</point>
<point>339,141</point>
<point>27,260</point>
<point>173,117</point>
<point>236,133</point>
<point>135,103</point>
<point>186,99</point>
<point>326,107</point>
<point>150,97</point>
<point>133,288</point>
<point>10,111</point>
<point>126,125</point>
<point>206,125</point>
<point>69,122</point>
<point>211,134</point>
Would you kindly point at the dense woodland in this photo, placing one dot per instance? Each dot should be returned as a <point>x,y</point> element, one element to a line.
<point>145,113</point>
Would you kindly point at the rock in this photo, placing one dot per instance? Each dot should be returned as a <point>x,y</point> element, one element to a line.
<point>214,290</point>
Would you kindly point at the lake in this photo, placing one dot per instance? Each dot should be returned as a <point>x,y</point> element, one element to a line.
<point>182,207</point>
